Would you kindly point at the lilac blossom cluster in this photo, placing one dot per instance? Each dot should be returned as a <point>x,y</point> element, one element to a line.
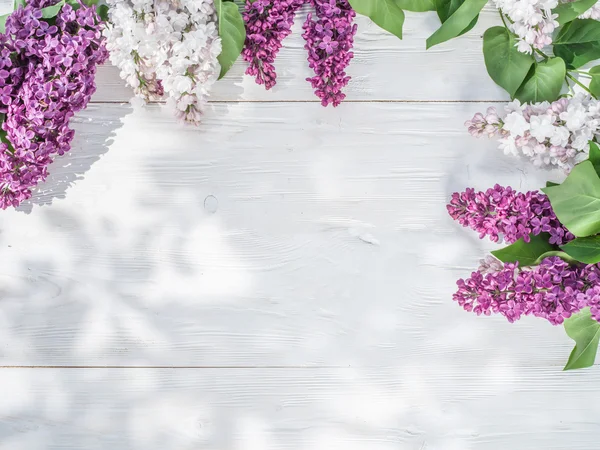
<point>329,39</point>
<point>503,212</point>
<point>534,21</point>
<point>531,20</point>
<point>165,47</point>
<point>549,134</point>
<point>133,47</point>
<point>553,290</point>
<point>268,23</point>
<point>47,72</point>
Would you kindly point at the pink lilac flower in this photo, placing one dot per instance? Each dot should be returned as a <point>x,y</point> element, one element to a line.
<point>268,23</point>
<point>329,41</point>
<point>51,70</point>
<point>504,212</point>
<point>553,290</point>
<point>488,124</point>
<point>550,135</point>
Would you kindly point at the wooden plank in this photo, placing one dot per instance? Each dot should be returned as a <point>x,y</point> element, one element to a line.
<point>411,407</point>
<point>270,236</point>
<point>384,68</point>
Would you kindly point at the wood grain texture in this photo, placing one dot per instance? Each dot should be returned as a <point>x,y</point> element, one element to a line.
<point>271,236</point>
<point>408,408</point>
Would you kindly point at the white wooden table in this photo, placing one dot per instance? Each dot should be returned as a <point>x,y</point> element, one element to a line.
<point>281,277</point>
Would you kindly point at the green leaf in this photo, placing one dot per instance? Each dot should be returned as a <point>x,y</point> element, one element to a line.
<point>445,9</point>
<point>4,134</point>
<point>103,12</point>
<point>579,31</point>
<point>3,22</point>
<point>551,183</point>
<point>416,5</point>
<point>4,137</point>
<point>585,249</point>
<point>507,66</point>
<point>75,3</point>
<point>385,13</point>
<point>595,81</point>
<point>577,55</point>
<point>232,32</point>
<point>594,156</point>
<point>457,22</point>
<point>576,202</point>
<point>470,26</point>
<point>52,11</point>
<point>19,3</point>
<point>585,331</point>
<point>543,82</point>
<point>570,11</point>
<point>527,253</point>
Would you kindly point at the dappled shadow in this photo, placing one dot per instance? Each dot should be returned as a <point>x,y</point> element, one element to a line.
<point>258,284</point>
<point>86,149</point>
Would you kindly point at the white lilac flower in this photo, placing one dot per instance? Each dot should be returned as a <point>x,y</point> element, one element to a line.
<point>132,45</point>
<point>548,134</point>
<point>574,117</point>
<point>534,22</point>
<point>592,13</point>
<point>531,20</point>
<point>167,47</point>
<point>560,137</point>
<point>516,124</point>
<point>490,265</point>
<point>508,145</point>
<point>541,127</point>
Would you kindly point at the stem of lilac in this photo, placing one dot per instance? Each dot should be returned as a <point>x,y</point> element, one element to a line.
<point>581,72</point>
<point>571,92</point>
<point>581,85</point>
<point>503,21</point>
<point>541,53</point>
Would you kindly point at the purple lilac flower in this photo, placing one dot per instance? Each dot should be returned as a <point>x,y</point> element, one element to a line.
<point>51,69</point>
<point>592,296</point>
<point>553,290</point>
<point>329,41</point>
<point>268,23</point>
<point>502,211</point>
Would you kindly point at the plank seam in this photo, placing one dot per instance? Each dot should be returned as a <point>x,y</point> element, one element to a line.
<point>174,367</point>
<point>218,102</point>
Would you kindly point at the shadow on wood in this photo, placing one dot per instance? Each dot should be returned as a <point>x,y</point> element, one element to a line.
<point>72,166</point>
